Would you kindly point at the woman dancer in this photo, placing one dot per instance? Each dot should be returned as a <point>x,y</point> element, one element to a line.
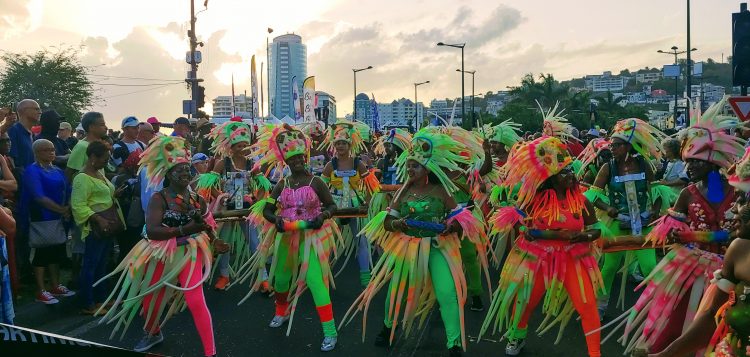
<point>389,147</point>
<point>554,254</point>
<point>699,223</point>
<point>300,234</point>
<point>231,142</point>
<point>351,184</point>
<point>166,271</point>
<point>629,200</point>
<point>723,319</point>
<point>421,256</point>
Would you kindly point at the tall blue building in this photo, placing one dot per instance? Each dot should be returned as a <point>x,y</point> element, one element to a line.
<point>288,62</point>
<point>363,110</point>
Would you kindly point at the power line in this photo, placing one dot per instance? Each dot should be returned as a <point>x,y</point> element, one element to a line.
<point>139,91</point>
<point>140,78</point>
<point>136,85</point>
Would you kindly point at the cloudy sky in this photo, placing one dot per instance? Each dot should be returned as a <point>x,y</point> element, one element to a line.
<point>504,40</point>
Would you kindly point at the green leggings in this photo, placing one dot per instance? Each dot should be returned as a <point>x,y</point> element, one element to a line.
<point>314,281</point>
<point>646,260</point>
<point>445,293</point>
<point>472,270</point>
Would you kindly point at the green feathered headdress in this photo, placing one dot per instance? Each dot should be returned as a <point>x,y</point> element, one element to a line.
<point>505,133</point>
<point>228,134</point>
<point>437,152</point>
<point>162,154</point>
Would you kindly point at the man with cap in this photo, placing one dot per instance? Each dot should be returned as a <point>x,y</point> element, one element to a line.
<point>182,127</point>
<point>204,141</point>
<point>50,121</point>
<point>155,124</point>
<point>128,144</point>
<point>145,133</point>
<point>80,133</point>
<point>65,133</point>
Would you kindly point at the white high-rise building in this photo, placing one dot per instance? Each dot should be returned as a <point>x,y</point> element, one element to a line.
<point>288,63</point>
<point>223,105</point>
<point>326,105</point>
<point>399,112</point>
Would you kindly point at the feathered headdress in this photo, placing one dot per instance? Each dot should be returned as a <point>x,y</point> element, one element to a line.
<point>228,134</point>
<point>349,131</point>
<point>505,133</point>
<point>645,139</point>
<point>312,128</point>
<point>162,154</point>
<point>555,124</point>
<point>398,137</point>
<point>534,162</point>
<point>276,143</point>
<point>739,174</point>
<point>435,151</point>
<point>708,139</point>
<point>591,151</point>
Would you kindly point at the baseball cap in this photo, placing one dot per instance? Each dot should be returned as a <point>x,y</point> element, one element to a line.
<point>79,127</point>
<point>153,120</point>
<point>130,122</point>
<point>65,125</point>
<point>201,122</point>
<point>182,120</point>
<point>199,157</point>
<point>51,115</point>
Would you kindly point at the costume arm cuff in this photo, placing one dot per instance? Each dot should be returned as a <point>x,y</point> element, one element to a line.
<point>723,284</point>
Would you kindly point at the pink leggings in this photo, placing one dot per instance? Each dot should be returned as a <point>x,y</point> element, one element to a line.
<point>193,298</point>
<point>587,310</point>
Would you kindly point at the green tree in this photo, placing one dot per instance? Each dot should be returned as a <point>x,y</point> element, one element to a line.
<point>56,79</point>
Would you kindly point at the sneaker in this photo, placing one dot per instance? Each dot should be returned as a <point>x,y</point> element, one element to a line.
<point>278,320</point>
<point>476,303</point>
<point>455,351</point>
<point>329,343</point>
<point>383,339</point>
<point>514,346</point>
<point>148,341</point>
<point>46,298</point>
<point>62,291</point>
<point>265,287</point>
<point>222,283</point>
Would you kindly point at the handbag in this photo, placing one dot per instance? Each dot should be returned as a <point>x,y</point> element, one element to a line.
<point>115,226</point>
<point>47,233</point>
<point>136,217</point>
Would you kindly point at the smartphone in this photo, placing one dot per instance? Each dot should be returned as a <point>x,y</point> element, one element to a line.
<point>12,107</point>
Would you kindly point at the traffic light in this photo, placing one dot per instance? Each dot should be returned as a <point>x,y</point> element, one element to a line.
<point>741,47</point>
<point>200,99</point>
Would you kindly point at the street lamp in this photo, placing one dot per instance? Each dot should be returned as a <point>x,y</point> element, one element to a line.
<point>472,92</point>
<point>463,104</point>
<point>355,70</point>
<point>416,123</point>
<point>674,51</point>
<point>268,72</point>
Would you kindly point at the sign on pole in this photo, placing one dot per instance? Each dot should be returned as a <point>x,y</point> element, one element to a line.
<point>741,107</point>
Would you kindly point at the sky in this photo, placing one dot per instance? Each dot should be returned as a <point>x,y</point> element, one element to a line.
<point>504,40</point>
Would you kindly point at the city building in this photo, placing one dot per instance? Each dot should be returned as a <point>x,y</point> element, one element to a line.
<point>648,77</point>
<point>707,92</point>
<point>326,109</point>
<point>288,62</point>
<point>605,82</point>
<point>362,109</point>
<point>399,112</point>
<point>222,105</point>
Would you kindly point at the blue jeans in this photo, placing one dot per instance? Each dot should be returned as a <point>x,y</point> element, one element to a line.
<point>95,258</point>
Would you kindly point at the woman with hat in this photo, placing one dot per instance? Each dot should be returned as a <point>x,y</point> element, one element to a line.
<point>166,271</point>
<point>554,254</point>
<point>351,184</point>
<point>420,235</point>
<point>299,235</point>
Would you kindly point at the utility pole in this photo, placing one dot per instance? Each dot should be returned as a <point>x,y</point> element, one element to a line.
<point>197,93</point>
<point>689,73</point>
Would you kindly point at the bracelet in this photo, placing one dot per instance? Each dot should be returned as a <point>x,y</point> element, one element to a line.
<point>181,233</point>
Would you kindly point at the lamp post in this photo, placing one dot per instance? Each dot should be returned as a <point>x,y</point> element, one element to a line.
<point>416,122</point>
<point>463,102</point>
<point>674,51</point>
<point>472,91</point>
<point>355,70</point>
<point>268,72</point>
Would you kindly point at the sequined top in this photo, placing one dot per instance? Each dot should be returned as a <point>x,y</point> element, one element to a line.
<point>702,216</point>
<point>301,203</point>
<point>428,208</point>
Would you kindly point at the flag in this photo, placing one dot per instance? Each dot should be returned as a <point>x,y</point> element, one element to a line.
<point>254,87</point>
<point>310,100</point>
<point>233,94</point>
<point>296,100</point>
<point>262,101</point>
<point>375,114</point>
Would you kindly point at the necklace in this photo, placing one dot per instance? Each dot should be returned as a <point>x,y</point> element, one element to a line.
<point>234,164</point>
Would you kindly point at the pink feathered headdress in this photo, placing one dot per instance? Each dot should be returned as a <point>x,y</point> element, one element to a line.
<point>708,139</point>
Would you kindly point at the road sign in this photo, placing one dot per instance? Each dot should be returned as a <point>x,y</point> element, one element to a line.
<point>741,107</point>
<point>188,107</point>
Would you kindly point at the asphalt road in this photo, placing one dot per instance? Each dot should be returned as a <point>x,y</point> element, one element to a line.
<point>243,330</point>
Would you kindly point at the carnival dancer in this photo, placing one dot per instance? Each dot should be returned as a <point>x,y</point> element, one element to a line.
<point>389,147</point>
<point>623,191</point>
<point>351,184</point>
<point>723,319</point>
<point>300,234</point>
<point>699,223</point>
<point>231,142</point>
<point>553,255</point>
<point>502,138</point>
<point>421,261</point>
<point>316,131</point>
<point>166,271</point>
<point>592,158</point>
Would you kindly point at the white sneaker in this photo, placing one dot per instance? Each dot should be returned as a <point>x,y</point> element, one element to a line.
<point>514,346</point>
<point>277,321</point>
<point>329,343</point>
